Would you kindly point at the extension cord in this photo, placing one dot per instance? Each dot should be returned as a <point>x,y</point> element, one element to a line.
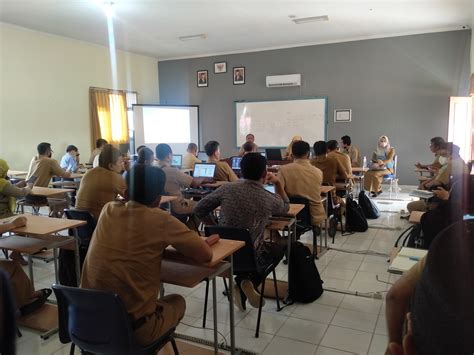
<point>375,295</point>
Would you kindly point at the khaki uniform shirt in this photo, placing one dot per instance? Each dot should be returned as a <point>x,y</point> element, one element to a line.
<point>126,251</point>
<point>344,160</point>
<point>331,168</point>
<point>175,181</point>
<point>300,178</point>
<point>223,171</point>
<point>99,186</point>
<point>189,160</point>
<point>354,155</point>
<point>454,167</point>
<point>44,169</point>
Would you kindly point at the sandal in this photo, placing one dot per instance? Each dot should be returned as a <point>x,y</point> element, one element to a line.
<point>37,303</point>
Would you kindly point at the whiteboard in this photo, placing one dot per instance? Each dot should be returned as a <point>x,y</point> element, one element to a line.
<point>274,123</point>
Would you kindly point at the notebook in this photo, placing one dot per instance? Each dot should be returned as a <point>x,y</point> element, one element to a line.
<point>176,161</point>
<point>405,259</point>
<point>202,170</point>
<point>421,194</point>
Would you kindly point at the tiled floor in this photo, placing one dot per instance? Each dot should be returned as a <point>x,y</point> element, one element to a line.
<point>336,323</point>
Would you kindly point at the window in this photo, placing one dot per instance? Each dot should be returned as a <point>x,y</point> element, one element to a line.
<point>132,98</point>
<point>460,125</point>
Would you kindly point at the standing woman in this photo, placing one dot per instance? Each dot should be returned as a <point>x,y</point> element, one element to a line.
<point>8,195</point>
<point>382,164</point>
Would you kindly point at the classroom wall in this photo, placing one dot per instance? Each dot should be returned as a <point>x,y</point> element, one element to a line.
<point>397,86</point>
<point>44,90</point>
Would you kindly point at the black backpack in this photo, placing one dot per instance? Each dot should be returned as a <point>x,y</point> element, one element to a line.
<point>355,219</point>
<point>412,237</point>
<point>369,208</point>
<point>306,284</point>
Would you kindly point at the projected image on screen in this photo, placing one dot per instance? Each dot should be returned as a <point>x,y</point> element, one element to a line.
<point>161,124</point>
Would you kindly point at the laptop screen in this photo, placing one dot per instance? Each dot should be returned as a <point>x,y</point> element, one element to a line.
<point>235,162</point>
<point>270,188</point>
<point>273,154</point>
<point>176,160</point>
<point>204,170</point>
<point>202,156</point>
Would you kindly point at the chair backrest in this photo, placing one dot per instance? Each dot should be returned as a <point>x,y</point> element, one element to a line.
<point>394,174</point>
<point>83,232</point>
<point>94,320</point>
<point>304,216</point>
<point>244,259</point>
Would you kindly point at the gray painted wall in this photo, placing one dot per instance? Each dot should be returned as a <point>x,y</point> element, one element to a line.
<point>395,86</point>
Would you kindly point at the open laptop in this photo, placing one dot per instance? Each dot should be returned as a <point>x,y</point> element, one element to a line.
<point>204,170</point>
<point>263,154</point>
<point>176,161</point>
<point>235,163</point>
<point>270,188</point>
<point>202,156</point>
<point>273,153</point>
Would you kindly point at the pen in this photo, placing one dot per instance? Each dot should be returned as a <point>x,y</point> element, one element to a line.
<point>414,258</point>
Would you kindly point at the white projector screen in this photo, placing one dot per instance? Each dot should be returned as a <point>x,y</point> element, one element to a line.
<point>175,125</point>
<point>274,123</point>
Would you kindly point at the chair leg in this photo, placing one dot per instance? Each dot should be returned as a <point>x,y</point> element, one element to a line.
<point>315,244</point>
<point>205,304</point>
<point>71,350</point>
<point>18,332</point>
<point>226,288</point>
<point>173,344</point>
<point>276,290</point>
<point>257,331</point>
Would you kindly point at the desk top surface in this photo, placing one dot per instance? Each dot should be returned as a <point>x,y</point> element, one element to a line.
<point>17,172</point>
<point>216,184</point>
<point>326,189</point>
<point>295,208</point>
<point>358,169</point>
<point>48,191</point>
<point>221,250</point>
<point>166,199</point>
<point>39,225</point>
<point>415,216</point>
<point>184,275</point>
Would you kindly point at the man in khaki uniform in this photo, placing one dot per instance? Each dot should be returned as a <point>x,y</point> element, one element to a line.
<point>223,171</point>
<point>436,145</point>
<point>300,178</point>
<point>190,158</point>
<point>44,167</point>
<point>333,151</point>
<point>250,138</point>
<point>176,179</point>
<point>330,166</point>
<point>351,151</point>
<point>129,263</point>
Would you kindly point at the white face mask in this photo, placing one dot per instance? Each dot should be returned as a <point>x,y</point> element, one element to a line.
<point>443,160</point>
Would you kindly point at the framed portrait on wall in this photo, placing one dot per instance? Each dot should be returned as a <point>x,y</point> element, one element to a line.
<point>342,115</point>
<point>202,79</point>
<point>220,67</point>
<point>239,75</point>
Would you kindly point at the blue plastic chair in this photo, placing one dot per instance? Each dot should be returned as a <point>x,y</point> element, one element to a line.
<point>97,322</point>
<point>392,177</point>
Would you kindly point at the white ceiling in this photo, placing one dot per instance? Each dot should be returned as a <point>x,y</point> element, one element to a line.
<point>151,27</point>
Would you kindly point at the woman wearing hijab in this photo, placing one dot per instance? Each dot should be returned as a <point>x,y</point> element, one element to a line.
<point>382,164</point>
<point>288,155</point>
<point>8,195</point>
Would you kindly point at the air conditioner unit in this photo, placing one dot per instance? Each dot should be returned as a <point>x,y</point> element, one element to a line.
<point>281,81</point>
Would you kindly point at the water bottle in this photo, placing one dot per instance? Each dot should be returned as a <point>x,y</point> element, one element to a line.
<point>364,164</point>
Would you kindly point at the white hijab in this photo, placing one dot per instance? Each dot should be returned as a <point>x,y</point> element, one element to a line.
<point>381,151</point>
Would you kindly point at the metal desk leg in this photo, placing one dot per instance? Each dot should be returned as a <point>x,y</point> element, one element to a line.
<point>55,256</point>
<point>214,312</point>
<point>30,269</point>
<point>231,305</point>
<point>76,257</point>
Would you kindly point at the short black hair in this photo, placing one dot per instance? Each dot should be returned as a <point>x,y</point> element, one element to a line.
<point>192,146</point>
<point>346,140</point>
<point>140,148</point>
<point>250,134</point>
<point>100,142</point>
<point>70,148</point>
<point>332,144</point>
<point>248,147</point>
<point>320,148</point>
<point>144,154</point>
<point>211,148</point>
<point>252,166</point>
<point>43,148</point>
<point>437,142</point>
<point>145,183</point>
<point>300,149</point>
<point>162,150</point>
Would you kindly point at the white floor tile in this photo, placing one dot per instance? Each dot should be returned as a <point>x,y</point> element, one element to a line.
<point>378,344</point>
<point>283,346</point>
<point>196,330</point>
<point>270,323</point>
<point>350,340</point>
<point>381,326</point>
<point>322,350</point>
<point>336,283</point>
<point>342,274</point>
<point>361,304</point>
<point>315,312</point>
<point>329,298</point>
<point>355,320</point>
<point>245,338</point>
<point>303,330</point>
<point>345,264</point>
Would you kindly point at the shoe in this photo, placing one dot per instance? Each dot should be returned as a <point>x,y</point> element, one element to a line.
<point>238,299</point>
<point>373,194</point>
<point>37,303</point>
<point>252,295</point>
<point>379,192</point>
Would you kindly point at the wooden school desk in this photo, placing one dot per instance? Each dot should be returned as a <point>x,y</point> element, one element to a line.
<point>182,271</point>
<point>48,191</point>
<point>17,173</point>
<point>358,175</point>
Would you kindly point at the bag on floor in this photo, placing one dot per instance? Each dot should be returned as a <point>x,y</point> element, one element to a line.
<point>67,266</point>
<point>412,237</point>
<point>306,284</point>
<point>369,208</point>
<point>355,218</point>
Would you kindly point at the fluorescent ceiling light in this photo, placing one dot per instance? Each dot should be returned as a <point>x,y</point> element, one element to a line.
<point>303,20</point>
<point>193,37</point>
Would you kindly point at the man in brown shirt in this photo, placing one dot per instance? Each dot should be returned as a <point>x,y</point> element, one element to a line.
<point>330,166</point>
<point>333,151</point>
<point>351,151</point>
<point>126,251</point>
<point>44,167</point>
<point>300,178</point>
<point>223,171</point>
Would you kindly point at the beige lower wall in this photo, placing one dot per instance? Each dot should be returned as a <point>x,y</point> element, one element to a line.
<point>44,83</point>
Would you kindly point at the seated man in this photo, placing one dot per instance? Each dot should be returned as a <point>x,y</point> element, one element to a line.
<point>126,251</point>
<point>351,151</point>
<point>190,158</point>
<point>249,147</point>
<point>223,171</point>
<point>333,151</point>
<point>26,298</point>
<point>44,167</point>
<point>330,166</point>
<point>436,144</point>
<point>250,138</point>
<point>246,204</point>
<point>69,160</point>
<point>99,144</point>
<point>300,178</point>
<point>176,179</point>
